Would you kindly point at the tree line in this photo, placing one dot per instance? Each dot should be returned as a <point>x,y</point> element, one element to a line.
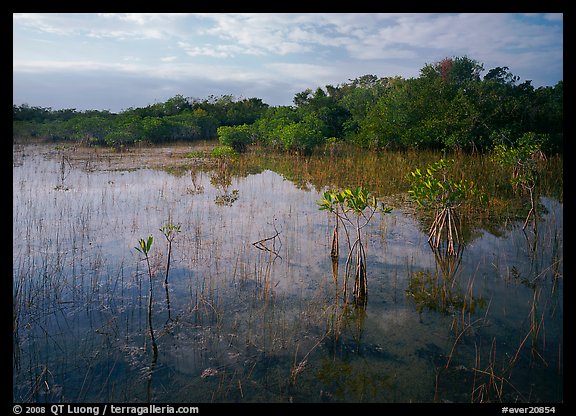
<point>450,105</point>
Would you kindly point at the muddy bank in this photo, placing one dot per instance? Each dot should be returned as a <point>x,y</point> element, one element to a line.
<point>138,157</point>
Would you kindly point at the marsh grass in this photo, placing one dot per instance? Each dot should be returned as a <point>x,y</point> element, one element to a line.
<point>497,375</point>
<point>246,325</point>
<point>385,174</point>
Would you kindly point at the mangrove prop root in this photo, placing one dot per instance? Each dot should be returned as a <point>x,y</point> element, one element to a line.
<point>445,224</point>
<point>360,289</point>
<point>335,251</point>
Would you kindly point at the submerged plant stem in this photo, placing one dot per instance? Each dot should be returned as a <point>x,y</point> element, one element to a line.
<point>150,327</point>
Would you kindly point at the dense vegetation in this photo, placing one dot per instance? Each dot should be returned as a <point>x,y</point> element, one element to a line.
<point>448,106</point>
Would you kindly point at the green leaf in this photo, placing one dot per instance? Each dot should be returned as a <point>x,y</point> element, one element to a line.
<point>385,210</point>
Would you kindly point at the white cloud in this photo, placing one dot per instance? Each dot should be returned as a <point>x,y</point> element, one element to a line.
<point>131,58</point>
<point>167,70</point>
<point>302,71</point>
<point>287,52</point>
<point>119,26</point>
<point>40,66</point>
<point>217,51</point>
<point>262,32</point>
<point>555,17</point>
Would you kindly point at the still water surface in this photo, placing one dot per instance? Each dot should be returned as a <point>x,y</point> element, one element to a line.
<point>242,322</point>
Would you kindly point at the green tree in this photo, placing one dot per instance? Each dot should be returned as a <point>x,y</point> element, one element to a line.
<point>245,111</point>
<point>448,106</point>
<point>359,96</point>
<point>523,159</point>
<point>501,75</point>
<point>237,137</point>
<point>268,129</point>
<point>153,129</point>
<point>434,189</point>
<point>325,108</point>
<point>302,136</point>
<point>91,129</point>
<point>119,139</point>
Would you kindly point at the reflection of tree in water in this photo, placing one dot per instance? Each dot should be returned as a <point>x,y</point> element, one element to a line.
<point>64,173</point>
<point>543,275</point>
<point>345,372</point>
<point>344,317</point>
<point>227,199</point>
<point>353,380</point>
<point>196,188</point>
<point>440,290</point>
<point>222,180</point>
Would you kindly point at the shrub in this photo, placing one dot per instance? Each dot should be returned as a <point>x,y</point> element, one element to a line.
<point>236,137</point>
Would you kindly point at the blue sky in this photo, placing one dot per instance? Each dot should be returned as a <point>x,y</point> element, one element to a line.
<point>113,61</point>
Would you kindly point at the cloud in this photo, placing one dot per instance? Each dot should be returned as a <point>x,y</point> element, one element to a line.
<point>120,26</point>
<point>47,66</point>
<point>217,51</point>
<point>117,91</point>
<point>161,70</point>
<point>360,35</point>
<point>296,71</point>
<point>276,34</point>
<point>555,17</point>
<point>272,54</point>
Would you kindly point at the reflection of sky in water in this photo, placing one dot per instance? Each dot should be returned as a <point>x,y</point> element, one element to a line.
<point>112,210</point>
<point>85,236</point>
<point>105,213</point>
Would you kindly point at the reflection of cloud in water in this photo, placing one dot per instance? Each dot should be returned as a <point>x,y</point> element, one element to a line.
<point>516,247</point>
<point>83,241</point>
<point>404,243</point>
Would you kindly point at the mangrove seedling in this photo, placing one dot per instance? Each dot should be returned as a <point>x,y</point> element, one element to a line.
<point>329,202</point>
<point>433,189</point>
<point>169,230</point>
<point>144,248</point>
<point>523,159</point>
<point>354,207</point>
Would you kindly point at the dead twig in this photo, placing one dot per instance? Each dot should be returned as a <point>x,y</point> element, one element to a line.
<point>260,244</point>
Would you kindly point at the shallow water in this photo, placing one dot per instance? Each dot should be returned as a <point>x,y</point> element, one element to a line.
<point>242,323</point>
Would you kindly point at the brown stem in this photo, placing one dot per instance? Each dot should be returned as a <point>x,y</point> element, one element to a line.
<point>335,250</point>
<point>168,262</point>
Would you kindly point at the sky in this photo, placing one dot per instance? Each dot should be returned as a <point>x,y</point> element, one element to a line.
<point>116,61</point>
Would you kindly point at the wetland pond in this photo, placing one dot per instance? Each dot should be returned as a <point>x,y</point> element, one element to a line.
<point>253,309</point>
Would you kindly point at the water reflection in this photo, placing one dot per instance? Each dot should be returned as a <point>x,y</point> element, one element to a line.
<point>267,323</point>
<point>440,290</point>
<point>222,180</point>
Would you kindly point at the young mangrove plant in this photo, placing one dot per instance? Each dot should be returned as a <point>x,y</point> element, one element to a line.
<point>523,159</point>
<point>330,202</point>
<point>169,230</point>
<point>433,189</point>
<point>355,208</point>
<point>144,248</point>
